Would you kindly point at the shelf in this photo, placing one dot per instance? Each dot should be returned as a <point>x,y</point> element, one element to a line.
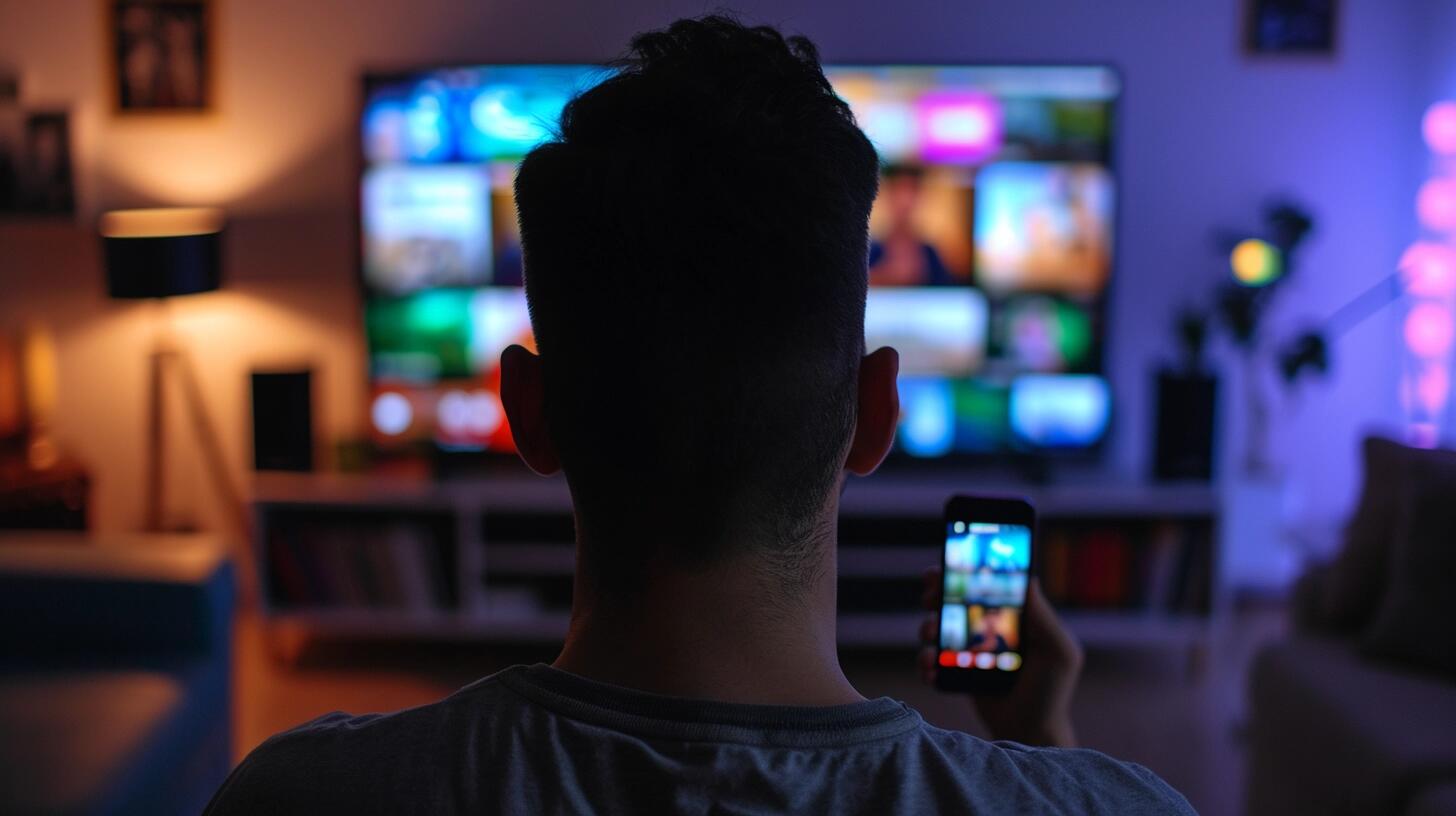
<point>1136,628</point>
<point>510,526</point>
<point>1109,629</point>
<point>517,558</point>
<point>898,630</point>
<point>895,495</point>
<point>530,558</point>
<point>384,624</point>
<point>880,562</point>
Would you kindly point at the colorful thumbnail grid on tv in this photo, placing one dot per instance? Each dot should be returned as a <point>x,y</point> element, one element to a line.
<point>991,246</point>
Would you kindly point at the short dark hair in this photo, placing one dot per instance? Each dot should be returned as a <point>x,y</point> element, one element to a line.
<point>695,241</point>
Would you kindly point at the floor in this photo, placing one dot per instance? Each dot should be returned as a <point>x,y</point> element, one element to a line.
<point>1176,713</point>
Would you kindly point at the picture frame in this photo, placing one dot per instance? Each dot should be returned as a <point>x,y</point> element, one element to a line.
<point>12,139</point>
<point>47,178</point>
<point>160,54</point>
<point>1298,28</point>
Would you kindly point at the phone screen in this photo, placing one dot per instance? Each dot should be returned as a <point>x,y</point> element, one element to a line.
<point>986,571</point>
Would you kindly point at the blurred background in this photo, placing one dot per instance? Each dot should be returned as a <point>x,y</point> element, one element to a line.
<point>1184,274</point>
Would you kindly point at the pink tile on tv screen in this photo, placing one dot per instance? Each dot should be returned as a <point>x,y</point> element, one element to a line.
<point>958,127</point>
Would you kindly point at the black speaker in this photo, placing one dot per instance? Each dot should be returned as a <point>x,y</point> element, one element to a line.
<point>1183,447</point>
<point>283,420</point>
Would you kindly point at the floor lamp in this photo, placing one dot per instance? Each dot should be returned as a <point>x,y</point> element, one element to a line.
<point>160,254</point>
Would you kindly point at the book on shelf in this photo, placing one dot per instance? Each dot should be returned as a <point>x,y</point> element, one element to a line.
<point>344,567</point>
<point>1056,565</point>
<point>381,564</point>
<point>408,559</point>
<point>1198,578</point>
<point>1101,563</point>
<point>1160,567</point>
<point>396,566</point>
<point>289,582</point>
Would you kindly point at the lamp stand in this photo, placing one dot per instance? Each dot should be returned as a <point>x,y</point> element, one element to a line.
<point>162,360</point>
<point>165,357</point>
<point>156,438</point>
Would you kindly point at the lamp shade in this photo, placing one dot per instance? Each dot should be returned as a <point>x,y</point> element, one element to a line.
<point>164,252</point>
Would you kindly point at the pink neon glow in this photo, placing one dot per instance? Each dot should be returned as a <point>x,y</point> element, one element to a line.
<point>958,126</point>
<point>1433,386</point>
<point>1429,330</point>
<point>1428,269</point>
<point>1436,204</point>
<point>1439,127</point>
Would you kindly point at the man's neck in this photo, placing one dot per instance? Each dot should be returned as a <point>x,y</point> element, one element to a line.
<point>719,633</point>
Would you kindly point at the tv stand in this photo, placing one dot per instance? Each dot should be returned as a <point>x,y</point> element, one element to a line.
<point>490,557</point>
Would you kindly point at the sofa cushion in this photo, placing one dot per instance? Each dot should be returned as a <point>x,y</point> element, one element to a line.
<point>112,741</point>
<point>1332,732</point>
<point>1307,598</point>
<point>1413,622</point>
<point>66,740</point>
<point>115,673</point>
<point>1354,585</point>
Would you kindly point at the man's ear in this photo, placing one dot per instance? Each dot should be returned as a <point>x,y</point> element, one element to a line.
<point>524,398</point>
<point>879,411</point>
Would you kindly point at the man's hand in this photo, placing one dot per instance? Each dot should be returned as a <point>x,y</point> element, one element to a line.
<point>1037,711</point>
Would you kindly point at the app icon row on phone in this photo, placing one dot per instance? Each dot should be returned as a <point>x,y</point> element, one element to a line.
<point>1005,661</point>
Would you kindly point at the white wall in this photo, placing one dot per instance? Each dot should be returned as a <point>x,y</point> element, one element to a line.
<point>1206,134</point>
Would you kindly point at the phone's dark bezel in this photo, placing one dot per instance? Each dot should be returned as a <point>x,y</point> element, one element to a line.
<point>1001,510</point>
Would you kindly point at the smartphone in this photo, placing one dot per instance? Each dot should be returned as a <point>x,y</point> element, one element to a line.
<point>986,566</point>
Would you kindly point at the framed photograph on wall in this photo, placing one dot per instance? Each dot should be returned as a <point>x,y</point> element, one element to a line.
<point>160,53</point>
<point>47,185</point>
<point>1291,27</point>
<point>12,139</point>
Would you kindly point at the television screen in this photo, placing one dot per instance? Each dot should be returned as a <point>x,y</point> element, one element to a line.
<point>991,247</point>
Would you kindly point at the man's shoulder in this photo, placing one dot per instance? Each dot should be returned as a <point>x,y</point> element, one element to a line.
<point>341,752</point>
<point>356,733</point>
<point>1067,780</point>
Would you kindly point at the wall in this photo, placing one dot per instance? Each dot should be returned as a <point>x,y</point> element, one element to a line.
<point>1206,135</point>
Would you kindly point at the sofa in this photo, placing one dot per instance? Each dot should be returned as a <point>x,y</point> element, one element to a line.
<point>1355,711</point>
<point>115,673</point>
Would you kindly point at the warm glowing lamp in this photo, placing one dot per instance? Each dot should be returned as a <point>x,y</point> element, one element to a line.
<point>160,254</point>
<point>1439,128</point>
<point>38,362</point>
<point>1256,262</point>
<point>164,252</point>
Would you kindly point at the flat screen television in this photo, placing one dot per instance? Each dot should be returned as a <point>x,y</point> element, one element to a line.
<point>991,247</point>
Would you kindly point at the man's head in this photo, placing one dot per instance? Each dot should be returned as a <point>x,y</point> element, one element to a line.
<point>695,248</point>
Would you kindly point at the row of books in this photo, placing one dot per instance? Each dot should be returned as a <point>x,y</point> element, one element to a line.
<point>396,565</point>
<point>1164,567</point>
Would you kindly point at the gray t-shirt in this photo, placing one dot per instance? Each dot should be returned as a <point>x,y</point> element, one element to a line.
<point>533,739</point>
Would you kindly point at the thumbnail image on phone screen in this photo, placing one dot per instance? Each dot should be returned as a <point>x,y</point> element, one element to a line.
<point>986,567</point>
